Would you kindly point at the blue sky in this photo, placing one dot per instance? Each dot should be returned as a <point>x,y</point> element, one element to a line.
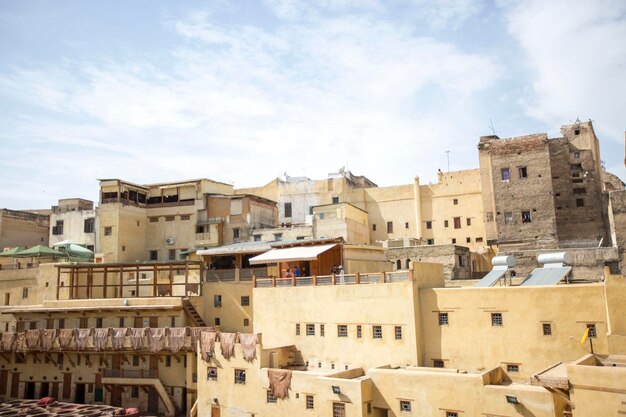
<point>245,91</point>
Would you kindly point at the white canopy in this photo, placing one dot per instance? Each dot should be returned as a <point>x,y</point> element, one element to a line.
<point>296,253</point>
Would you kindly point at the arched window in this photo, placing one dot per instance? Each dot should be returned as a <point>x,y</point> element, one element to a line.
<point>408,263</point>
<point>398,264</point>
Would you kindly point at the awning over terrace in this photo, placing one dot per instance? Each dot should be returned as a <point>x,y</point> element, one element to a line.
<point>297,253</point>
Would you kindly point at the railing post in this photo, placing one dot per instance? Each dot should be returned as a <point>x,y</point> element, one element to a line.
<point>273,281</point>
<point>253,280</point>
<point>382,277</point>
<point>293,281</point>
<point>315,280</point>
<point>357,278</point>
<point>333,279</point>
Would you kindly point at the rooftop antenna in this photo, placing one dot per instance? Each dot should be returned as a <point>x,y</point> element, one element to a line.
<point>448,156</point>
<point>493,129</point>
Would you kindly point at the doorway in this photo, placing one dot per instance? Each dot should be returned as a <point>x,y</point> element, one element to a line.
<point>30,391</point>
<point>44,391</point>
<point>153,400</point>
<point>79,395</point>
<point>215,410</point>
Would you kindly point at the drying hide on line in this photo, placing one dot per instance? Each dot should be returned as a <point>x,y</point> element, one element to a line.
<point>207,344</point>
<point>100,337</point>
<point>47,338</point>
<point>136,337</point>
<point>248,345</point>
<point>8,340</point>
<point>117,337</point>
<point>176,338</point>
<point>66,338</point>
<point>33,339</point>
<point>156,339</point>
<point>227,342</point>
<point>280,381</point>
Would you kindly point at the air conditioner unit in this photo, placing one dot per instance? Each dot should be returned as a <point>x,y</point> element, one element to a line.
<point>170,240</point>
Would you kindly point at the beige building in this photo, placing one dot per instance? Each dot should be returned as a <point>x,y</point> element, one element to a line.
<point>74,219</point>
<point>23,228</point>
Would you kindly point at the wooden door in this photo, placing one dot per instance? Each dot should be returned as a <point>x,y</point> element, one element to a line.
<point>154,322</point>
<point>138,322</point>
<point>215,410</point>
<point>15,385</point>
<point>153,400</point>
<point>67,385</point>
<point>4,381</point>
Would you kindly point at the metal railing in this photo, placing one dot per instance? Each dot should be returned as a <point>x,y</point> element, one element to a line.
<point>130,373</point>
<point>342,279</point>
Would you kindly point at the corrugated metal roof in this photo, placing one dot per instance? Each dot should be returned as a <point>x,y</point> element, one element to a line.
<point>546,276</point>
<point>236,248</point>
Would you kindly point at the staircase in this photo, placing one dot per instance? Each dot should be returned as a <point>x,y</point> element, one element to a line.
<point>295,359</point>
<point>192,313</point>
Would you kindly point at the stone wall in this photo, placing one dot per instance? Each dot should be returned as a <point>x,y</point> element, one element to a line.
<point>454,259</point>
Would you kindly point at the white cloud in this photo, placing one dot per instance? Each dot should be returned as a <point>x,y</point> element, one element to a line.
<point>577,53</point>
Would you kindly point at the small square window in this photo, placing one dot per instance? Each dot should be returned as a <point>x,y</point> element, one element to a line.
<point>246,322</point>
<point>389,227</point>
<point>257,238</point>
<point>278,237</point>
<point>406,225</point>
<point>185,217</point>
<point>342,330</point>
<point>297,329</point>
<point>547,329</point>
<point>108,230</point>
<point>523,172</point>
<point>496,319</point>
<point>245,300</point>
<point>505,174</point>
<point>580,202</point>
<point>445,223</point>
<point>526,218</point>
<point>430,241</point>
<point>335,200</point>
<point>512,367</point>
<point>468,240</point>
<point>592,330</point>
<point>135,360</point>
<point>429,224</point>
<point>508,218</point>
<point>322,330</point>
<point>457,222</point>
<point>452,414</point>
<point>240,376</point>
<point>443,319</point>
<point>453,241</point>
<point>99,323</point>
<point>455,201</point>
<point>24,292</point>
<point>489,216</point>
<point>438,363</point>
<point>398,332</point>
<point>310,402</point>
<point>479,240</point>
<point>217,321</point>
<point>310,329</point>
<point>236,233</point>
<point>359,331</point>
<point>217,300</point>
<point>211,374</point>
<point>374,227</point>
<point>577,155</point>
<point>377,332</point>
<point>405,406</point>
<point>468,221</point>
<point>270,397</point>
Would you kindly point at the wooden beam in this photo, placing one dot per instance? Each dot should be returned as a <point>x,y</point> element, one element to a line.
<point>51,360</point>
<point>69,359</point>
<point>58,282</point>
<point>104,282</point>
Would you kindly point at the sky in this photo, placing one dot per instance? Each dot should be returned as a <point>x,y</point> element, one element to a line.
<point>245,91</point>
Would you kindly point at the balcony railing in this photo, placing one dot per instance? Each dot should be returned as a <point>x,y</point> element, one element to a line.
<point>343,279</point>
<point>131,373</point>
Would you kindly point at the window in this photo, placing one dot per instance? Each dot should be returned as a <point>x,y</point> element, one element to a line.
<point>577,155</point>
<point>580,190</point>
<point>83,323</point>
<point>398,332</point>
<point>461,261</point>
<point>171,254</point>
<point>154,255</point>
<point>592,330</point>
<point>168,361</point>
<point>429,224</point>
<point>310,329</point>
<point>322,330</point>
<point>405,406</point>
<point>430,241</point>
<point>369,407</point>
<point>512,367</point>
<point>389,227</point>
<point>452,414</point>
<point>90,224</point>
<point>339,410</point>
<point>445,223</point>
<point>169,218</point>
<point>580,202</point>
<point>455,201</point>
<point>217,321</point>
<point>443,319</point>
<point>278,237</point>
<point>523,172</point>
<point>257,238</point>
<point>240,376</point>
<point>134,392</point>
<point>246,322</point>
<point>438,363</point>
<point>217,300</point>
<point>508,218</point>
<point>453,240</point>
<point>153,219</point>
<point>468,240</point>
<point>287,209</point>
<point>505,174</point>
<point>310,402</point>
<point>468,221</point>
<point>135,360</point>
<point>457,222</point>
<point>185,217</point>
<point>211,373</point>
<point>99,322</point>
<point>108,230</point>
<point>374,227</point>
<point>377,332</point>
<point>547,329</point>
<point>62,324</point>
<point>24,292</point>
<point>270,397</point>
<point>359,331</point>
<point>236,233</point>
<point>577,131</point>
<point>335,200</point>
<point>58,229</point>
<point>342,330</point>
<point>245,300</point>
<point>496,319</point>
<point>172,321</point>
<point>406,225</point>
<point>297,329</point>
<point>526,217</point>
<point>479,240</point>
<point>489,216</point>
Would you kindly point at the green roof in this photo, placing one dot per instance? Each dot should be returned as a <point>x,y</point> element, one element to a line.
<point>38,251</point>
<point>12,251</point>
